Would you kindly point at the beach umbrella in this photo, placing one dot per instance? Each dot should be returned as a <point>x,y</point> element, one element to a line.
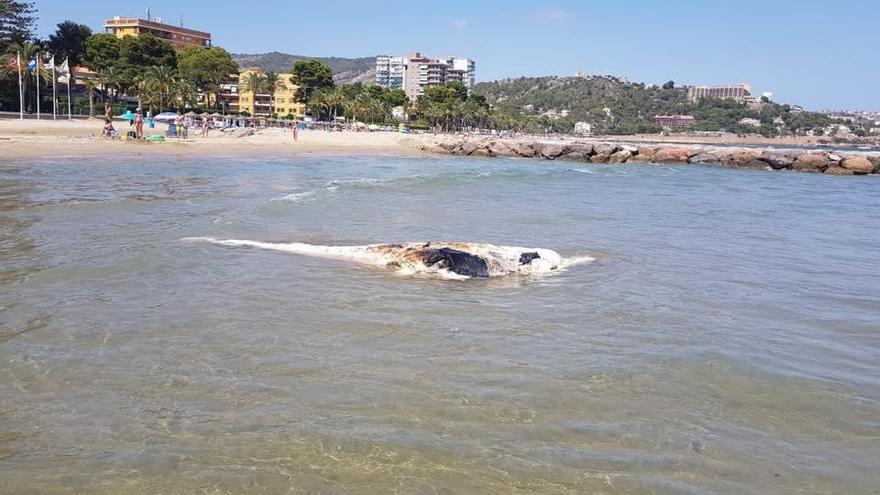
<point>165,117</point>
<point>127,115</point>
<point>216,114</point>
<point>190,114</point>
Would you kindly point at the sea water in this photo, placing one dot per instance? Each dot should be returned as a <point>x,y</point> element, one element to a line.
<point>726,339</point>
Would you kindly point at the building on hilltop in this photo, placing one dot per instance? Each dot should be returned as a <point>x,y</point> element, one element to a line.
<point>414,72</point>
<point>736,92</point>
<point>234,99</point>
<point>670,121</point>
<point>180,37</point>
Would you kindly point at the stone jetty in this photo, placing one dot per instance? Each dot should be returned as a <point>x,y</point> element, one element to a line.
<point>830,163</point>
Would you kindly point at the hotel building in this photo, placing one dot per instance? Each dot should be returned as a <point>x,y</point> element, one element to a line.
<point>736,92</point>
<point>180,37</point>
<point>669,121</point>
<point>414,72</point>
<point>258,105</point>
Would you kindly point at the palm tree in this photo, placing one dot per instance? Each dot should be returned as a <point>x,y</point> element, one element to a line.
<point>109,79</point>
<point>91,88</point>
<point>27,52</point>
<point>273,83</point>
<point>160,80</point>
<point>185,91</point>
<point>253,82</point>
<point>359,105</point>
<point>335,99</point>
<point>319,104</point>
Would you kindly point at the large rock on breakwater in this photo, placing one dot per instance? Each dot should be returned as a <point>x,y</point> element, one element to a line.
<point>672,155</point>
<point>614,153</point>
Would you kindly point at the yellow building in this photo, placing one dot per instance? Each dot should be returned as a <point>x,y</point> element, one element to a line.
<point>180,37</point>
<point>284,102</point>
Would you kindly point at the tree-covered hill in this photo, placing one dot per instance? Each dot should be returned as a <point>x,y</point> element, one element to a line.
<point>615,106</point>
<point>345,70</point>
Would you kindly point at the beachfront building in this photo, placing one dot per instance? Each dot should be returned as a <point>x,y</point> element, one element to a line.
<point>583,128</point>
<point>735,92</point>
<point>415,72</point>
<point>389,71</point>
<point>672,121</point>
<point>180,37</point>
<point>284,102</point>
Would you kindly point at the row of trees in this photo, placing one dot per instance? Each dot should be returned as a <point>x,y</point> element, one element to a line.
<point>143,66</point>
<point>152,70</point>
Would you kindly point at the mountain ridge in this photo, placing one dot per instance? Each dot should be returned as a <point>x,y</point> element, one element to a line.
<point>346,70</point>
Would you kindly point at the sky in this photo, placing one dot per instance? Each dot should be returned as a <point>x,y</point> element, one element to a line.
<point>819,54</point>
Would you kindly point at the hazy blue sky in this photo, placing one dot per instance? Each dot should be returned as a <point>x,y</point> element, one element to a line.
<point>821,54</point>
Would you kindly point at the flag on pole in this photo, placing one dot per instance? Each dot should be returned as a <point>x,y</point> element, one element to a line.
<point>50,64</point>
<point>13,62</point>
<point>32,65</point>
<point>65,69</point>
<point>20,87</point>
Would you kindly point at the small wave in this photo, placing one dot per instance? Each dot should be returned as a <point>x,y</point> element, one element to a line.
<point>296,197</point>
<point>577,260</point>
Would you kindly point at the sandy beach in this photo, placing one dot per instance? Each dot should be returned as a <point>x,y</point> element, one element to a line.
<point>34,138</point>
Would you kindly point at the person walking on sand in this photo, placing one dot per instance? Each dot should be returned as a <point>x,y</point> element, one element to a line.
<point>139,124</point>
<point>179,123</point>
<point>206,126</point>
<point>295,126</point>
<point>108,111</point>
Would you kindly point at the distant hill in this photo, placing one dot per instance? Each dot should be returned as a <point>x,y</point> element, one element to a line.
<point>616,106</point>
<point>611,104</point>
<point>345,70</point>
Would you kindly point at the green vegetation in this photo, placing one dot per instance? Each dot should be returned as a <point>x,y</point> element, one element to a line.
<point>17,22</point>
<point>207,68</point>
<point>614,106</point>
<point>68,42</point>
<point>357,102</point>
<point>310,76</point>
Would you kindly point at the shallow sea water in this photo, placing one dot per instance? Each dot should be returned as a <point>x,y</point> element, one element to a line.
<point>726,339</point>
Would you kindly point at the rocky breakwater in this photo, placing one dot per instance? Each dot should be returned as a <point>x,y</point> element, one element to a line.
<point>615,153</point>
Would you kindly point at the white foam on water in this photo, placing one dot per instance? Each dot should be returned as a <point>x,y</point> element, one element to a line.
<point>296,197</point>
<point>500,260</point>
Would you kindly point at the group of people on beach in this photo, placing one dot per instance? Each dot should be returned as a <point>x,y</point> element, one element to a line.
<point>180,125</point>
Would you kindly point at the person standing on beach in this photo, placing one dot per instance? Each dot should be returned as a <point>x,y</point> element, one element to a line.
<point>139,124</point>
<point>295,126</point>
<point>206,126</point>
<point>179,122</point>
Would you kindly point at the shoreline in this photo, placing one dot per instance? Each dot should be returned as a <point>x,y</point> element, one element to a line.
<point>34,139</point>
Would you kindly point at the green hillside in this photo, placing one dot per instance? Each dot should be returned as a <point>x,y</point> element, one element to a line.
<point>615,106</point>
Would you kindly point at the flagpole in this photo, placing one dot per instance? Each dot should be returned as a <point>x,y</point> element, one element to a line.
<point>38,85</point>
<point>20,88</point>
<point>69,77</point>
<point>54,97</point>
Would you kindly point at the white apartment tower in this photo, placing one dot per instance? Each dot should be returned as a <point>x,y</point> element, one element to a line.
<point>414,72</point>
